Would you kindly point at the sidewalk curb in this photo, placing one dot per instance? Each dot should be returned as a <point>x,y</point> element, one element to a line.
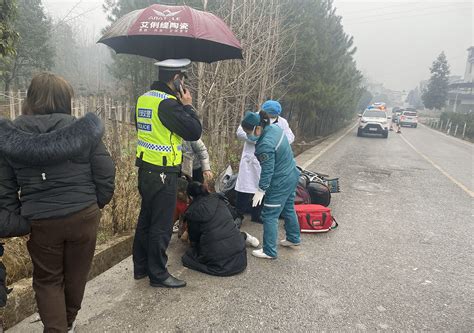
<point>21,302</point>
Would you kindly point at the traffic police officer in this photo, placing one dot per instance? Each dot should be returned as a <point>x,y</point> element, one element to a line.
<point>165,117</point>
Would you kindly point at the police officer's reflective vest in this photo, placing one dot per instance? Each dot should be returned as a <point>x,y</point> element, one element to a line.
<point>156,144</point>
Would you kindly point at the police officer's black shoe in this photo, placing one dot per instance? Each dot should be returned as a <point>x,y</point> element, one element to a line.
<point>138,276</point>
<point>170,282</point>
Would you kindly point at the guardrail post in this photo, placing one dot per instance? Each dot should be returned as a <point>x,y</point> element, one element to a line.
<point>20,100</point>
<point>11,98</point>
<point>464,130</point>
<point>456,130</point>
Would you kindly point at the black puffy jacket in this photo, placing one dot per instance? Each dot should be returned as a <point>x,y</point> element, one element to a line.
<point>52,166</point>
<point>219,246</point>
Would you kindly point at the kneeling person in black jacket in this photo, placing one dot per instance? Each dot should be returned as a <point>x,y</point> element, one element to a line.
<point>217,245</point>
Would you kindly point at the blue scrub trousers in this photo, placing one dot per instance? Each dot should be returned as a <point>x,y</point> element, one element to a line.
<point>278,203</point>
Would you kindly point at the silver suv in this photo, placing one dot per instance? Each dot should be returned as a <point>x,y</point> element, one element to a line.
<point>373,122</point>
<point>408,118</point>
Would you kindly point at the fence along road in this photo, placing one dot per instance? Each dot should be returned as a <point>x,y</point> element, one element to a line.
<point>104,106</point>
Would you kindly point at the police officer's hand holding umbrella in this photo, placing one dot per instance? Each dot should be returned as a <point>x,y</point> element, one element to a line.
<point>165,115</point>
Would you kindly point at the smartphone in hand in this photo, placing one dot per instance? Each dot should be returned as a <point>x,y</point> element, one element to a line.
<point>178,86</point>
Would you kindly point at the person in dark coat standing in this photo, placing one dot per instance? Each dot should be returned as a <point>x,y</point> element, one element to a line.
<point>217,245</point>
<point>57,173</point>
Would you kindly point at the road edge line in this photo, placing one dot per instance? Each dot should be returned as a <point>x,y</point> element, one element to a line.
<point>309,162</point>
<point>451,178</point>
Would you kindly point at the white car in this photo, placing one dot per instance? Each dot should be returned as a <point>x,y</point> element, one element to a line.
<point>408,118</point>
<point>373,121</point>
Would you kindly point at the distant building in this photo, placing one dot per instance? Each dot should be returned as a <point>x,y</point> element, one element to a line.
<point>460,96</point>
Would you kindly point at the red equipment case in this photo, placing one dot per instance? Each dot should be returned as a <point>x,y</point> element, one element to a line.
<point>315,218</point>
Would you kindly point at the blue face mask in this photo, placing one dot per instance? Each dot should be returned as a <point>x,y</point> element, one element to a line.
<point>252,137</point>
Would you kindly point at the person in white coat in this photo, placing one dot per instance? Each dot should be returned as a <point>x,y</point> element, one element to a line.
<point>249,168</point>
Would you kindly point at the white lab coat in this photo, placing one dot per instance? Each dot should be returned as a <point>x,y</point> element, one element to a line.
<point>249,168</point>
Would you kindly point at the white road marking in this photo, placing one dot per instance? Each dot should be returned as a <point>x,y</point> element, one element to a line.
<point>308,163</point>
<point>451,178</point>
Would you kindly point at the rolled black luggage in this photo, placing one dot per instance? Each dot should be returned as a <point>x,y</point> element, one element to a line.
<point>319,193</point>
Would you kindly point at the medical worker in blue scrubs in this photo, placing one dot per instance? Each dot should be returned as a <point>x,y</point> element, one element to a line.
<point>278,180</point>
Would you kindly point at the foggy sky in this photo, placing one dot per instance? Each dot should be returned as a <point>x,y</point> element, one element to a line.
<point>396,40</point>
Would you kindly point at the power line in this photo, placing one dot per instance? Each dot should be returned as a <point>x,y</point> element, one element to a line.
<point>69,12</point>
<point>83,13</point>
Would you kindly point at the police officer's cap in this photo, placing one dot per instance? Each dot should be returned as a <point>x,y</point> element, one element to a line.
<point>175,65</point>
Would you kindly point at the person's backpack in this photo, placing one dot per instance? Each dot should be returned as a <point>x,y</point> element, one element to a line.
<point>225,184</point>
<point>319,193</point>
<point>229,189</point>
<point>302,195</point>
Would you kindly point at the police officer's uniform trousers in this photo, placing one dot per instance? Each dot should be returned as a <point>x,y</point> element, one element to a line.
<point>155,223</point>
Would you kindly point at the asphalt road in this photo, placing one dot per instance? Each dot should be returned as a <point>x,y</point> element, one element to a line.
<point>400,260</point>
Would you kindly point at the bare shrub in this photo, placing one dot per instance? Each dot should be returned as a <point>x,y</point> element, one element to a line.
<point>16,259</point>
<point>121,214</point>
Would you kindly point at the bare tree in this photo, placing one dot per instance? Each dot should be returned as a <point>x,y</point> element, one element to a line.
<point>226,89</point>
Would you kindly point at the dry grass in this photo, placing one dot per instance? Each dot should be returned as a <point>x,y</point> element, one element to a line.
<point>120,216</point>
<point>16,259</point>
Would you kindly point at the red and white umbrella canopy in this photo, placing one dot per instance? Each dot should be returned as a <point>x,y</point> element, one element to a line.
<point>172,32</point>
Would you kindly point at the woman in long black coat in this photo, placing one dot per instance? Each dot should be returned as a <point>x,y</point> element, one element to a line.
<point>217,245</point>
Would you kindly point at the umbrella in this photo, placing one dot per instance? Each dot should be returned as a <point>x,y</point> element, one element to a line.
<point>173,32</point>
